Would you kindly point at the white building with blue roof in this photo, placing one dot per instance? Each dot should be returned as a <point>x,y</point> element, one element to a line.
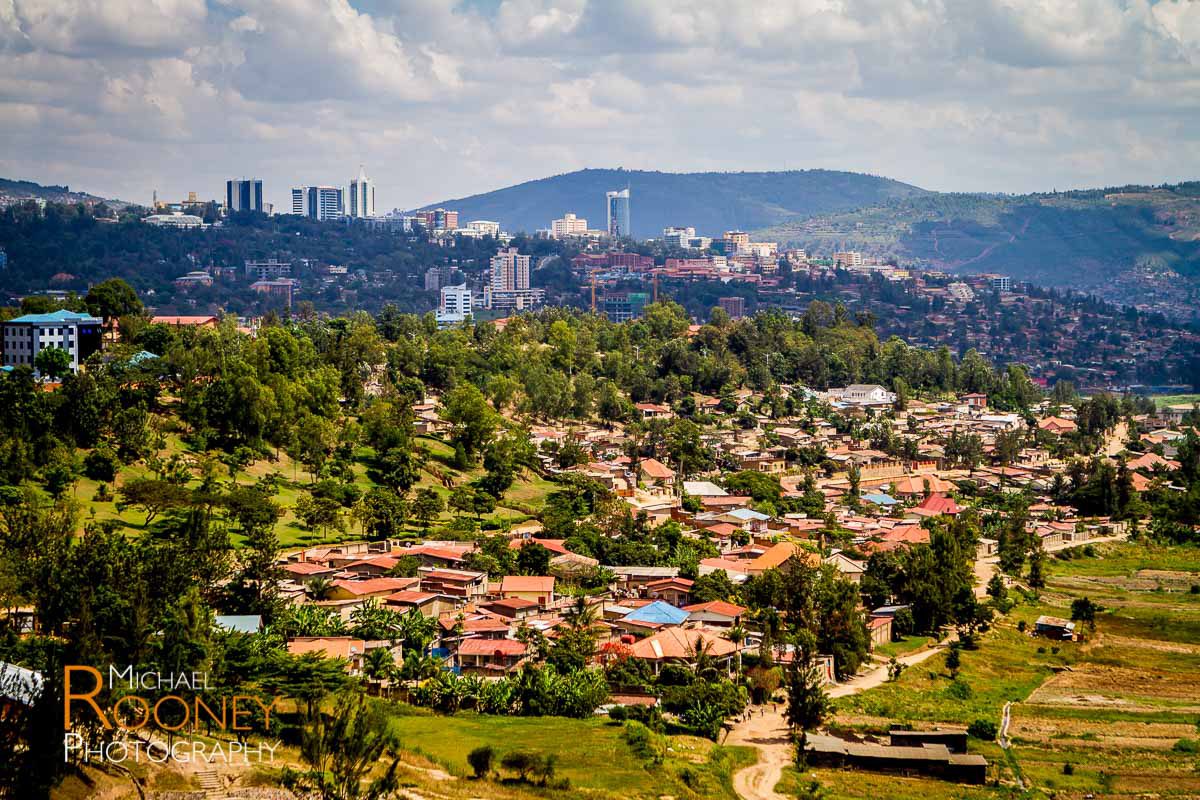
<point>26,336</point>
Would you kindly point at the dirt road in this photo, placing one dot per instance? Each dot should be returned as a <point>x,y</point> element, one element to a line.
<point>766,730</point>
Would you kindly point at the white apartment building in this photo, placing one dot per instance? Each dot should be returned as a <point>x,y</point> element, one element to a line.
<point>454,305</point>
<point>318,202</point>
<point>362,196</point>
<point>569,225</point>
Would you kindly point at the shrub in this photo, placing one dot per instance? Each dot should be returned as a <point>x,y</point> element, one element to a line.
<point>1190,746</point>
<point>618,713</point>
<point>1021,626</point>
<point>959,690</point>
<point>983,729</point>
<point>645,743</point>
<point>101,465</point>
<point>481,760</point>
<point>1068,768</point>
<point>528,764</point>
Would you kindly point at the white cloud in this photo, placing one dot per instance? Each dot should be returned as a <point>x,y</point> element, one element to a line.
<point>442,99</point>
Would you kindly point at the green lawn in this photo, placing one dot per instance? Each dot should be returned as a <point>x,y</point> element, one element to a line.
<point>1174,399</point>
<point>909,644</point>
<point>590,753</point>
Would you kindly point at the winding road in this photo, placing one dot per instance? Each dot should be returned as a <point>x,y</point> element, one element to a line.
<point>767,730</point>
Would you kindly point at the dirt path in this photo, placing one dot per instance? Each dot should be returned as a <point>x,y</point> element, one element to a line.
<point>766,730</point>
<point>1114,442</point>
<point>879,675</point>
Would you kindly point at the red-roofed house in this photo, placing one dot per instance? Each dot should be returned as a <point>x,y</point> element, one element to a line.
<point>717,613</point>
<point>372,587</point>
<point>462,583</point>
<point>344,647</point>
<point>534,588</point>
<point>490,656</point>
<point>940,504</point>
<point>680,645</point>
<point>653,472</point>
<point>676,591</point>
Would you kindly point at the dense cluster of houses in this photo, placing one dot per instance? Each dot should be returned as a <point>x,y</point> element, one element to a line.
<point>648,612</point>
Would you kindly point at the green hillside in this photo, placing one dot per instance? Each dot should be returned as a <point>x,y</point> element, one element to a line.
<point>712,202</point>
<point>1082,239</point>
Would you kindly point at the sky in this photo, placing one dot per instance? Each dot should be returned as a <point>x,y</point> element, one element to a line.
<point>440,99</point>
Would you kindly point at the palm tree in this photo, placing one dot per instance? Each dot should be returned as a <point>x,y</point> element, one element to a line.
<point>318,588</point>
<point>379,664</point>
<point>737,635</point>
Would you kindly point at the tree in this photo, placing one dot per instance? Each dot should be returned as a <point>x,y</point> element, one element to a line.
<point>737,635</point>
<point>112,299</point>
<point>343,750</point>
<point>427,505</point>
<point>153,496</point>
<point>320,514</point>
<point>954,659</point>
<point>52,362</point>
<point>473,420</point>
<point>462,499</point>
<point>381,513</point>
<point>533,559</point>
<point>1037,560</point>
<point>1084,610</point>
<point>481,760</point>
<point>808,704</point>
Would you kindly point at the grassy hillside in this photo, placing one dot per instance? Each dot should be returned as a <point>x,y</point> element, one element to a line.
<point>712,202</point>
<point>1119,707</point>
<point>1081,239</point>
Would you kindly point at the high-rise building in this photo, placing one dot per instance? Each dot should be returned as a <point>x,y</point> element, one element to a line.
<point>569,225</point>
<point>454,305</point>
<point>618,213</point>
<point>438,220</point>
<point>433,279</point>
<point>735,241</point>
<point>362,196</point>
<point>510,271</point>
<point>240,195</point>
<point>509,287</point>
<point>318,202</point>
<point>1001,283</point>
<point>735,307</point>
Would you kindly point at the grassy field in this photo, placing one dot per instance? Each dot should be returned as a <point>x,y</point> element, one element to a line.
<point>1111,716</point>
<point>523,499</point>
<point>906,645</point>
<point>1175,399</point>
<point>591,754</point>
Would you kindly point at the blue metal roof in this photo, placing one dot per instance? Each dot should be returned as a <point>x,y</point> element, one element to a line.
<point>880,499</point>
<point>61,315</point>
<point>658,612</point>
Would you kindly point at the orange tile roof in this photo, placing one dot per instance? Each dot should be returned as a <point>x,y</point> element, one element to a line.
<point>527,583</point>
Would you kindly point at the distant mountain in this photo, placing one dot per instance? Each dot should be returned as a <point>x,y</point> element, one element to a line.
<point>712,202</point>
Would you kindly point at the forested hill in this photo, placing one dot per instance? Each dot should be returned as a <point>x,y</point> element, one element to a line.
<point>1132,244</point>
<point>29,189</point>
<point>711,202</point>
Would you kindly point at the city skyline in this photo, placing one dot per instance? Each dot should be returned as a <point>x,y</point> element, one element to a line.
<point>1001,97</point>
